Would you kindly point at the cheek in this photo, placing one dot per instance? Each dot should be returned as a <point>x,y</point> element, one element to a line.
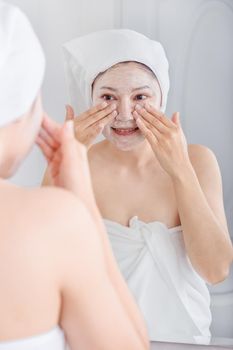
<point>155,102</point>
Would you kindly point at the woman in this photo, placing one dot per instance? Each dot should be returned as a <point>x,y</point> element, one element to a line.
<point>59,280</point>
<point>160,199</point>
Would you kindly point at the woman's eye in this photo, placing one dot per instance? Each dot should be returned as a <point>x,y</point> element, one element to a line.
<point>106,97</point>
<point>141,97</point>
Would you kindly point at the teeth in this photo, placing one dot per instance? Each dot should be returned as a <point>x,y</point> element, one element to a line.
<point>125,129</point>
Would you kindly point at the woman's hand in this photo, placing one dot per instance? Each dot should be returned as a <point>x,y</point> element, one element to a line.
<point>165,136</point>
<point>66,157</point>
<point>91,123</point>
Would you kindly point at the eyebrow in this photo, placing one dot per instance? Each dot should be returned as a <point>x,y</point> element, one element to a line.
<point>139,88</point>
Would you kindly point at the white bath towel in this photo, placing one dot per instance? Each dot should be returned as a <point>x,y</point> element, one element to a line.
<point>87,56</point>
<point>22,64</point>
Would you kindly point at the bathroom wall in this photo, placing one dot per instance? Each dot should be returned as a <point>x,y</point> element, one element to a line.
<point>197,36</point>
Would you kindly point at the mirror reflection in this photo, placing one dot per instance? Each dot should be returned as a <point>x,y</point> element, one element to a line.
<point>158,167</point>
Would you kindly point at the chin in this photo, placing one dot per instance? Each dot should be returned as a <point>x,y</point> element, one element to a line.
<point>124,143</point>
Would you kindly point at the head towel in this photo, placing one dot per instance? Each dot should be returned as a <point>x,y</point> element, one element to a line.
<point>22,64</point>
<point>87,56</point>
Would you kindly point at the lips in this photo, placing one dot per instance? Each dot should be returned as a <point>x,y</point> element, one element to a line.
<point>125,131</point>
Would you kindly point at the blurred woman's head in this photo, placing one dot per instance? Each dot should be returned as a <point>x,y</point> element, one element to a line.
<point>126,84</point>
<point>17,138</point>
<point>21,75</point>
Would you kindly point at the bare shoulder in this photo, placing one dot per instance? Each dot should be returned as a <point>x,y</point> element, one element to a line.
<point>55,224</point>
<point>43,214</point>
<point>43,222</point>
<point>96,151</point>
<point>203,160</point>
<point>55,205</point>
<point>199,152</point>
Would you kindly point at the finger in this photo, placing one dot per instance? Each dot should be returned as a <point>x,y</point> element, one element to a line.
<point>91,119</point>
<point>93,110</point>
<point>146,132</point>
<point>176,118</point>
<point>150,118</point>
<point>56,159</point>
<point>68,141</point>
<point>48,139</point>
<point>52,128</point>
<point>54,170</point>
<point>166,121</point>
<point>68,130</point>
<point>107,120</point>
<point>96,129</point>
<point>90,135</point>
<point>69,113</point>
<point>148,125</point>
<point>45,148</point>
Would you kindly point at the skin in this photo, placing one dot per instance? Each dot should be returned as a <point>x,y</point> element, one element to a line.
<point>155,174</point>
<point>168,174</point>
<point>54,253</point>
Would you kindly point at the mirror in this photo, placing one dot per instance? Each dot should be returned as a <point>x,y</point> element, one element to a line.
<point>197,37</point>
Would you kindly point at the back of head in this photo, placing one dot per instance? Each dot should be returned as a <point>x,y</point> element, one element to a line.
<point>22,64</point>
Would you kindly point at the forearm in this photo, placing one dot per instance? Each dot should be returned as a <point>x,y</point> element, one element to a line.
<point>118,281</point>
<point>207,245</point>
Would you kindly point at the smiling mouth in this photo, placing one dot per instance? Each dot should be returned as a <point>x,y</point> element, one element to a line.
<point>125,131</point>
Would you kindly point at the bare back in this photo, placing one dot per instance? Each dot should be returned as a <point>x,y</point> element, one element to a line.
<point>29,296</point>
<point>53,271</point>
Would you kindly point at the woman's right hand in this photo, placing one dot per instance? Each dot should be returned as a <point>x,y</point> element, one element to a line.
<point>90,124</point>
<point>68,166</point>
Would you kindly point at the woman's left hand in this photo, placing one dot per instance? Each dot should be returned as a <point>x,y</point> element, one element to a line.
<point>165,136</point>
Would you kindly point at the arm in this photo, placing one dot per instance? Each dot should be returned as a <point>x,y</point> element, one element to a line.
<point>93,315</point>
<point>198,195</point>
<point>198,190</point>
<point>70,170</point>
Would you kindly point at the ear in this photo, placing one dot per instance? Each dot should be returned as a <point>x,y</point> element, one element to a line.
<point>176,118</point>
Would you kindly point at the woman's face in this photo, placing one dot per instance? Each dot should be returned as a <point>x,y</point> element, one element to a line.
<point>126,85</point>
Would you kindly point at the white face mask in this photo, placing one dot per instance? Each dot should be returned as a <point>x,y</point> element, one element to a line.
<point>124,78</point>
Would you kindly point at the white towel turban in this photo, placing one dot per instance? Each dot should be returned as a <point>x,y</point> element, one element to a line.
<point>87,56</point>
<point>22,64</point>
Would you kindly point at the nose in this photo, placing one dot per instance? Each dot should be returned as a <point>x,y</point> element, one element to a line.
<point>125,110</point>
